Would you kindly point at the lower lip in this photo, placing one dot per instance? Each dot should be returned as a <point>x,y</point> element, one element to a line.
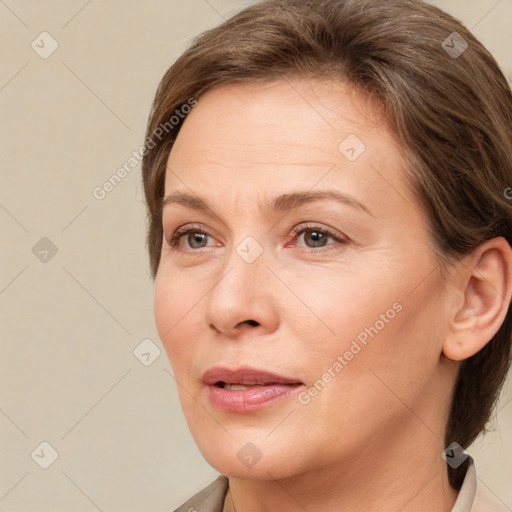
<point>251,399</point>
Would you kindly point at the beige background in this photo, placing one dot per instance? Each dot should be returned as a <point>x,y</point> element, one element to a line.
<point>69,325</point>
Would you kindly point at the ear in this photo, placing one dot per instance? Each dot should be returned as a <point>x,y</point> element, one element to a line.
<point>484,289</point>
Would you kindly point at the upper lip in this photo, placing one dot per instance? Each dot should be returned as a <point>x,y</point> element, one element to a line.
<point>244,375</point>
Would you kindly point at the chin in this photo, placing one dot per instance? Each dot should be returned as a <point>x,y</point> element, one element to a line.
<point>266,468</point>
<point>247,455</point>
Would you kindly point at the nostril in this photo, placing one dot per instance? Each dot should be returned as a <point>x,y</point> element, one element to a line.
<point>253,322</point>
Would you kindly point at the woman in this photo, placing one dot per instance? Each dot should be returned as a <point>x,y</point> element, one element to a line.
<point>330,237</point>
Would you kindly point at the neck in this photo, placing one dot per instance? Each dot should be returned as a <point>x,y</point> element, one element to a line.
<point>385,476</point>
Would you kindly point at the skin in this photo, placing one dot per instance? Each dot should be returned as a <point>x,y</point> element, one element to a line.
<point>372,438</point>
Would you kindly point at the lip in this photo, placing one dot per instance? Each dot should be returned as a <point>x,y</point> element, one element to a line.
<point>268,388</point>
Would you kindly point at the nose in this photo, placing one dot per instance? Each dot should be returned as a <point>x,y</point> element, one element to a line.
<point>243,300</point>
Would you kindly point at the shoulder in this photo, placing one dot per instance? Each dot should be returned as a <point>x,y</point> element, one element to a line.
<point>209,499</point>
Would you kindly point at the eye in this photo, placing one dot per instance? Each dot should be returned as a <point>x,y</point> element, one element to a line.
<point>317,236</point>
<point>194,236</point>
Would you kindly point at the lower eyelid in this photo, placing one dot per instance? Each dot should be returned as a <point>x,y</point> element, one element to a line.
<point>327,247</point>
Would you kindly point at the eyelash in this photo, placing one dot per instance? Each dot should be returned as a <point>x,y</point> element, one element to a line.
<point>297,231</point>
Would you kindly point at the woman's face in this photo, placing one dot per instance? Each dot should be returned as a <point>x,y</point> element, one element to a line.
<point>301,310</point>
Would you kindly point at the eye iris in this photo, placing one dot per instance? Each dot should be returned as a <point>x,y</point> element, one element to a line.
<point>196,237</point>
<point>317,236</point>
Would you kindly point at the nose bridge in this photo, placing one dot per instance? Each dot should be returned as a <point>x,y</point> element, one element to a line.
<point>244,264</point>
<point>239,292</point>
<point>248,240</point>
<point>250,249</point>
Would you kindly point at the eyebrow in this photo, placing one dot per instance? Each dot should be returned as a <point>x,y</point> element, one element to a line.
<point>284,202</point>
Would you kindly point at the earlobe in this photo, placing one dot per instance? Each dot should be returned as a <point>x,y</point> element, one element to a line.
<point>486,285</point>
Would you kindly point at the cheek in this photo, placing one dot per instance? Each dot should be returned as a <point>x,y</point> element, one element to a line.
<point>173,310</point>
<point>401,349</point>
<point>347,306</point>
<point>373,320</point>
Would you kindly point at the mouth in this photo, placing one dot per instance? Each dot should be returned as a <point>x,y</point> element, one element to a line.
<point>246,389</point>
<point>241,386</point>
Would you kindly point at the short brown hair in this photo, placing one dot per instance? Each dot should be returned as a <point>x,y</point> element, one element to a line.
<point>450,106</point>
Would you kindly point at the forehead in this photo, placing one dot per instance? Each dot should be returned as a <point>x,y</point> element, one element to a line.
<point>307,114</point>
<point>282,134</point>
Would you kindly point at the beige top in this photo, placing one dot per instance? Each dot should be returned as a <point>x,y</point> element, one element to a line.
<point>473,496</point>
